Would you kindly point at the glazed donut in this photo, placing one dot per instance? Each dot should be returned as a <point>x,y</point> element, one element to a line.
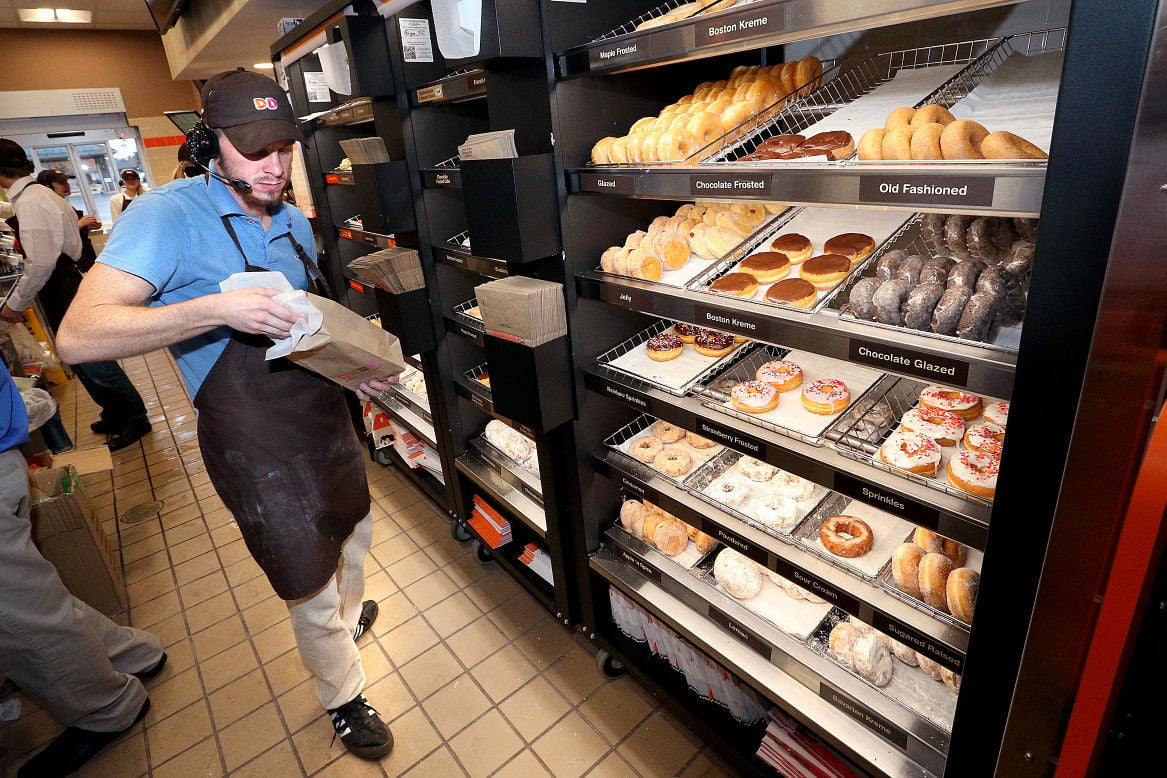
<point>889,301</point>
<point>710,343</point>
<point>673,144</point>
<point>737,574</point>
<point>905,568</point>
<point>966,274</point>
<point>754,397</point>
<point>792,486</point>
<point>764,91</point>
<point>643,124</point>
<point>934,570</point>
<point>664,347</point>
<point>897,142</point>
<point>797,292</point>
<point>860,298</point>
<point>737,113</point>
<point>644,264</point>
<point>935,543</point>
<point>962,140</point>
<point>985,438</point>
<point>846,536</point>
<point>667,433</point>
<point>600,151</point>
<point>925,143</point>
<point>855,246</point>
<point>789,78</point>
<point>900,117</point>
<point>974,472</point>
<point>932,114</point>
<point>943,398</point>
<point>698,442</point>
<point>756,469</point>
<point>797,248</point>
<point>1006,145</point>
<point>871,144</point>
<point>910,269</point>
<point>997,413</point>
<point>841,642</point>
<point>873,659</point>
<point>645,449</point>
<point>777,512</point>
<point>921,304</point>
<point>978,316</point>
<point>736,284</point>
<point>942,426</point>
<point>888,262</point>
<point>766,266</point>
<point>673,462</point>
<point>783,374</point>
<point>826,396</point>
<point>961,592</point>
<point>912,452</point>
<point>807,73</point>
<point>670,537</point>
<point>630,512</point>
<point>825,270</point>
<point>946,316</point>
<point>729,489</point>
<point>618,150</point>
<point>935,271</point>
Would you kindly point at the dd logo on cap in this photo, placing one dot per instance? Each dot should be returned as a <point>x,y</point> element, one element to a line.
<point>265,103</point>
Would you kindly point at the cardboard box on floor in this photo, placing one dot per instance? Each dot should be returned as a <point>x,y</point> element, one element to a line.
<point>68,535</point>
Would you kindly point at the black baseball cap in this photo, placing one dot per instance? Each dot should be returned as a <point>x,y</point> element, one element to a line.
<point>50,177</point>
<point>251,110</point>
<point>12,154</point>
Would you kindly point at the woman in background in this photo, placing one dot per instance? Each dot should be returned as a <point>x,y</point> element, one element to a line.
<point>132,186</point>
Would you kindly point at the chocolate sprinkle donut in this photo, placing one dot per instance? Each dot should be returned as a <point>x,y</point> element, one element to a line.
<point>978,315</point>
<point>889,301</point>
<point>965,273</point>
<point>885,266</point>
<point>921,303</point>
<point>946,316</point>
<point>861,298</point>
<point>909,269</point>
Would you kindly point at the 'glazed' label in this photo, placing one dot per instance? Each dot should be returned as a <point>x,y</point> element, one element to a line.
<point>606,183</point>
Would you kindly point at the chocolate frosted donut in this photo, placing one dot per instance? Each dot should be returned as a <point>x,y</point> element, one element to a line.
<point>956,234</point>
<point>781,144</point>
<point>965,273</point>
<point>760,155</point>
<point>946,316</point>
<point>935,271</point>
<point>910,268</point>
<point>1026,228</point>
<point>889,301</point>
<point>932,231</point>
<point>826,263</point>
<point>885,266</point>
<point>861,298</point>
<point>978,315</point>
<point>990,238</point>
<point>991,280</point>
<point>921,303</point>
<point>836,144</point>
<point>1013,309</point>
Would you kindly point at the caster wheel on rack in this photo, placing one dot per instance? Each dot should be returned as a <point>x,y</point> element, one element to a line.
<point>609,666</point>
<point>381,457</point>
<point>458,532</point>
<point>482,554</point>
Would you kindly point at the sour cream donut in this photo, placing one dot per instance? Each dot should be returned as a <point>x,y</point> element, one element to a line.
<point>997,413</point>
<point>911,451</point>
<point>826,396</point>
<point>974,472</point>
<point>645,449</point>
<point>754,397</point>
<point>783,374</point>
<point>846,536</point>
<point>985,438</point>
<point>942,398</point>
<point>944,427</point>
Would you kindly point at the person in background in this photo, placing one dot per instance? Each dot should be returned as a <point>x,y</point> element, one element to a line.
<point>48,234</point>
<point>277,440</point>
<point>187,167</point>
<point>59,183</point>
<point>84,669</point>
<point>132,188</point>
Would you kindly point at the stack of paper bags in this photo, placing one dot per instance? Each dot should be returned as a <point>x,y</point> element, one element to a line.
<point>537,559</point>
<point>490,525</point>
<point>524,310</point>
<point>489,145</point>
<point>365,151</point>
<point>395,269</point>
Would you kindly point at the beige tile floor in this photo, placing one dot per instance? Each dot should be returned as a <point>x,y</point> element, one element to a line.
<point>473,675</point>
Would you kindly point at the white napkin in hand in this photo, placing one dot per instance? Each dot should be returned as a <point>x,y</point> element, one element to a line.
<point>294,300</point>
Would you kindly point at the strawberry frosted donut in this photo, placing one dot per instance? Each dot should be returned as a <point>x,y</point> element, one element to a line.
<point>944,427</point>
<point>997,413</point>
<point>943,398</point>
<point>826,396</point>
<point>911,451</point>
<point>785,375</point>
<point>974,472</point>
<point>754,397</point>
<point>986,438</point>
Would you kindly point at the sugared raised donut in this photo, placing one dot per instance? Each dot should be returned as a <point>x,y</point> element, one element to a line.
<point>961,590</point>
<point>754,397</point>
<point>897,142</point>
<point>934,543</point>
<point>962,140</point>
<point>871,144</point>
<point>932,114</point>
<point>1006,145</point>
<point>826,396</point>
<point>942,426</point>
<point>934,570</point>
<point>846,536</point>
<point>911,451</point>
<point>944,398</point>
<point>899,117</point>
<point>842,643</point>
<point>925,142</point>
<point>975,472</point>
<point>873,659</point>
<point>905,568</point>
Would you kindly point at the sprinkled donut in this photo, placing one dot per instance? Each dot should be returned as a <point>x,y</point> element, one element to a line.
<point>783,374</point>
<point>944,427</point>
<point>776,511</point>
<point>974,472</point>
<point>645,449</point>
<point>846,536</point>
<point>997,413</point>
<point>729,489</point>
<point>943,398</point>
<point>713,344</point>
<point>911,451</point>
<point>687,332</point>
<point>673,462</point>
<point>663,347</point>
<point>826,396</point>
<point>754,397</point>
<point>985,438</point>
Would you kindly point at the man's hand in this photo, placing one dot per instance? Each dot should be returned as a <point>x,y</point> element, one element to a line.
<point>253,311</point>
<point>90,221</point>
<point>374,386</point>
<point>9,315</point>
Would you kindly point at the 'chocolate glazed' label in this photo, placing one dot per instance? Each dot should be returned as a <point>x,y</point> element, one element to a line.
<point>952,372</point>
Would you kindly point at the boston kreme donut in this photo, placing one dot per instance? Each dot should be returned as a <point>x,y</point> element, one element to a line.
<point>783,374</point>
<point>826,396</point>
<point>943,398</point>
<point>754,397</point>
<point>846,536</point>
<point>944,427</point>
<point>911,451</point>
<point>664,347</point>
<point>974,472</point>
<point>986,438</point>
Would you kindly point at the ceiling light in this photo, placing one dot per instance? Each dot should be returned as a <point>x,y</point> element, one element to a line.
<point>263,66</point>
<point>64,15</point>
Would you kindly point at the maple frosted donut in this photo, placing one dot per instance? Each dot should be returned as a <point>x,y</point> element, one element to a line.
<point>756,469</point>
<point>826,396</point>
<point>944,427</point>
<point>645,449</point>
<point>997,413</point>
<point>1006,145</point>
<point>664,346</point>
<point>846,536</point>
<point>782,373</point>
<point>776,511</point>
<point>754,397</point>
<point>792,486</point>
<point>713,344</point>
<point>667,433</point>
<point>985,438</point>
<point>687,332</point>
<point>673,461</point>
<point>943,398</point>
<point>975,472</point>
<point>797,248</point>
<point>911,451</point>
<point>730,489</point>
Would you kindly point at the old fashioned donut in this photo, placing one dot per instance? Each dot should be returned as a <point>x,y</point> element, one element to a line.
<point>766,266</point>
<point>974,472</point>
<point>934,570</point>
<point>841,643</point>
<point>860,298</point>
<point>673,462</point>
<point>889,301</point>
<point>909,270</point>
<point>945,398</point>
<point>846,536</point>
<point>729,489</point>
<point>667,433</point>
<point>997,413</point>
<point>978,316</point>
<point>826,396</point>
<point>888,262</point>
<point>873,659</point>
<point>710,343</point>
<point>944,427</point>
<point>736,284</point>
<point>645,449</point>
<point>797,292</point>
<point>900,117</point>
<point>737,574</point>
<point>664,347</point>
<point>905,568</point>
<point>921,304</point>
<point>935,543</point>
<point>985,438</point>
<point>962,140</point>
<point>932,114</point>
<point>925,142</point>
<point>855,246</point>
<point>797,248</point>
<point>600,151</point>
<point>754,397</point>
<point>825,270</point>
<point>670,537</point>
<point>961,592</point>
<point>783,374</point>
<point>871,144</point>
<point>696,441</point>
<point>897,142</point>
<point>1006,145</point>
<point>777,512</point>
<point>912,452</point>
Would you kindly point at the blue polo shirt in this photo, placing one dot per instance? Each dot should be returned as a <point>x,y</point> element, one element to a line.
<point>173,237</point>
<point>13,416</point>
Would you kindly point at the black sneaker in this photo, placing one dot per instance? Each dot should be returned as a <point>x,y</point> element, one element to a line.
<point>129,435</point>
<point>71,749</point>
<point>104,427</point>
<point>360,728</point>
<point>152,670</point>
<point>369,611</point>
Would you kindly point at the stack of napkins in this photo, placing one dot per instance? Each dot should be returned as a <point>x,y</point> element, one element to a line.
<point>524,310</point>
<point>393,269</point>
<point>494,530</point>
<point>489,145</point>
<point>365,151</point>
<point>536,558</point>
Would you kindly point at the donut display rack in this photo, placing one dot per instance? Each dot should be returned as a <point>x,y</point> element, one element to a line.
<point>680,381</point>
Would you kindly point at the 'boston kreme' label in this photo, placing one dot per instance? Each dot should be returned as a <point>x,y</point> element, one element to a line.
<point>727,321</point>
<point>749,24</point>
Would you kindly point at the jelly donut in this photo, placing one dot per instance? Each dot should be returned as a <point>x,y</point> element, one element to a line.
<point>888,262</point>
<point>783,374</point>
<point>776,511</point>
<point>754,397</point>
<point>722,239</point>
<point>860,298</point>
<point>889,300</point>
<point>673,462</point>
<point>736,284</point>
<point>766,266</point>
<point>797,292</point>
<point>978,316</point>
<point>997,413</point>
<point>921,304</point>
<point>667,433</point>
<point>686,332</point>
<point>944,427</point>
<point>910,269</point>
<point>663,347</point>
<point>671,248</point>
<point>855,246</point>
<point>825,270</point>
<point>925,142</point>
<point>912,452</point>
<point>943,398</point>
<point>985,438</point>
<point>946,316</point>
<point>974,472</point>
<point>846,536</point>
<point>962,140</point>
<point>826,396</point>
<point>645,449</point>
<point>729,489</point>
<point>644,264</point>
<point>1006,145</point>
<point>713,344</point>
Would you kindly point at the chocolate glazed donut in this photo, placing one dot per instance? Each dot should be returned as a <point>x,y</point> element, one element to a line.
<point>932,231</point>
<point>956,235</point>
<point>990,239</point>
<point>885,267</point>
<point>1026,228</point>
<point>965,273</point>
<point>909,269</point>
<point>889,301</point>
<point>946,316</point>
<point>935,270</point>
<point>921,303</point>
<point>862,296</point>
<point>1013,309</point>
<point>978,315</point>
<point>1019,263</point>
<point>992,280</point>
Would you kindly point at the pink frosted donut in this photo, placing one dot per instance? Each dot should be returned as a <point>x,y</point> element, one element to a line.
<point>784,374</point>
<point>943,398</point>
<point>987,438</point>
<point>997,413</point>
<point>911,451</point>
<point>754,397</point>
<point>974,472</point>
<point>826,396</point>
<point>944,427</point>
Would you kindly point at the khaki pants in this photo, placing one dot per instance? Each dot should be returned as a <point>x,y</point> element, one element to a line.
<point>324,623</point>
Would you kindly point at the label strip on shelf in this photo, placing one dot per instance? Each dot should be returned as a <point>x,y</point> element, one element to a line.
<point>903,360</point>
<point>864,715</point>
<point>739,26</point>
<point>927,190</point>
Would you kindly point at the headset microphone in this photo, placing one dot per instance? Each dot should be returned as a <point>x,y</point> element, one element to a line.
<point>204,147</point>
<point>234,183</point>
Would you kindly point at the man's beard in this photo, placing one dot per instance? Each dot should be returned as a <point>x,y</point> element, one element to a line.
<point>259,199</point>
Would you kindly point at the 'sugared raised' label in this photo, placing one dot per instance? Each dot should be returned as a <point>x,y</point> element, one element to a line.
<point>619,53</point>
<point>887,500</point>
<point>902,360</point>
<point>728,321</point>
<point>606,184</point>
<point>927,190</point>
<point>747,636</point>
<point>918,641</point>
<point>749,24</point>
<point>730,185</point>
<point>747,444</point>
<point>618,295</point>
<point>864,715</point>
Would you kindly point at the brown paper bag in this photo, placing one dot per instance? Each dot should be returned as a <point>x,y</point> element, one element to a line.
<point>349,349</point>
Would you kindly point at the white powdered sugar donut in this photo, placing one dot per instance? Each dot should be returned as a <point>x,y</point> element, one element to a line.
<point>739,575</point>
<point>872,659</point>
<point>842,643</point>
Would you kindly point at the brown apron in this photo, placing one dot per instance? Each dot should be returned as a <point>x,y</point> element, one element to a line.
<point>59,290</point>
<point>282,453</point>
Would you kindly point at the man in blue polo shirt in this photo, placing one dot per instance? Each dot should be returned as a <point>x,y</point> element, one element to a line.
<point>277,440</point>
<point>84,669</point>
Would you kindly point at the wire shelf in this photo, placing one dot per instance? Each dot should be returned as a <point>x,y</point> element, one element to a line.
<point>631,26</point>
<point>461,314</point>
<point>459,242</point>
<point>448,164</point>
<point>638,340</point>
